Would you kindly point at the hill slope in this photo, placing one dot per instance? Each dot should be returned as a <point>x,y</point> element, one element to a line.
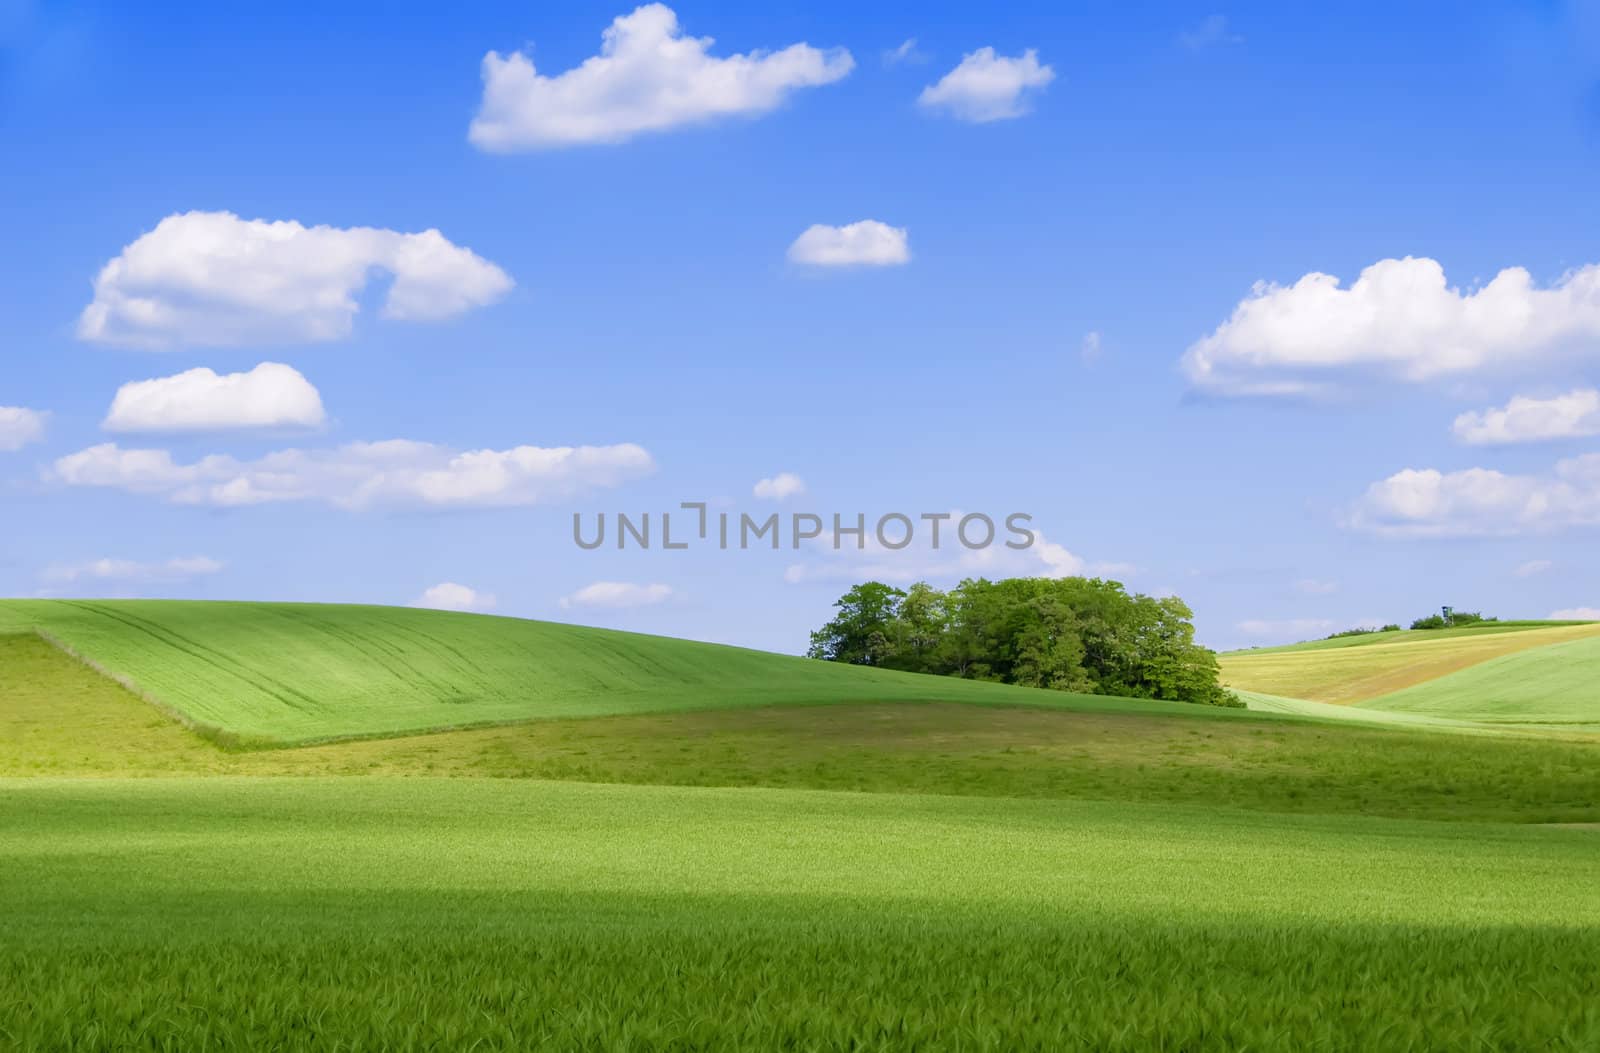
<point>1558,683</point>
<point>1363,668</point>
<point>284,673</point>
<point>58,718</point>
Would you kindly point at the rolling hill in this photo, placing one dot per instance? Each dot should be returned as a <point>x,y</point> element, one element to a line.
<point>853,730</point>
<point>640,843</point>
<point>1556,683</point>
<point>284,673</point>
<point>1516,674</point>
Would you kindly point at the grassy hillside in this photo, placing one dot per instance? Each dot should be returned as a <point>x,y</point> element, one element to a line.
<point>1557,684</point>
<point>58,717</point>
<point>283,673</point>
<point>240,914</point>
<point>1042,876</point>
<point>1363,668</point>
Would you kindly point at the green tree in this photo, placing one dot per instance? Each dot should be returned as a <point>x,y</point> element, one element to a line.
<point>1049,647</point>
<point>923,621</point>
<point>1065,634</point>
<point>865,630</point>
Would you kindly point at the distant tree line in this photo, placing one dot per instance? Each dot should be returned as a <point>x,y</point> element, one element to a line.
<point>1457,618</point>
<point>1431,621</point>
<point>1363,631</point>
<point>1066,634</point>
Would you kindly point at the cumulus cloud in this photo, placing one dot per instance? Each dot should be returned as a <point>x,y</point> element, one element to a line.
<point>1295,628</point>
<point>1576,614</point>
<point>361,475</point>
<point>648,77</point>
<point>1400,320</point>
<point>868,243</point>
<point>1481,501</point>
<point>181,568</point>
<point>449,596</point>
<point>780,486</point>
<point>19,427</point>
<point>617,595</point>
<point>268,396</point>
<point>213,279</point>
<point>1533,567</point>
<point>988,87</point>
<point>1575,415</point>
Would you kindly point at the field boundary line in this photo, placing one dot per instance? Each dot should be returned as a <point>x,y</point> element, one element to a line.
<point>217,736</point>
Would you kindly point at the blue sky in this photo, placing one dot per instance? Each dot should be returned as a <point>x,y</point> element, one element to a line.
<point>616,273</point>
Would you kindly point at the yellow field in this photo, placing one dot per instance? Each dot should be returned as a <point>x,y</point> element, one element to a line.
<point>1346,675</point>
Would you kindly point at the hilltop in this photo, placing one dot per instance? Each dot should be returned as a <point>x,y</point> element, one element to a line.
<point>293,673</point>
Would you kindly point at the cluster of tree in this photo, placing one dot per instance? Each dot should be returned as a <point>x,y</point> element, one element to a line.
<point>1069,634</point>
<point>1439,621</point>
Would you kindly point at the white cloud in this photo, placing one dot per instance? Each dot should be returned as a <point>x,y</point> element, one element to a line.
<point>1295,628</point>
<point>648,77</point>
<point>906,52</point>
<point>1481,501</point>
<point>1575,415</point>
<point>1399,320</point>
<point>1211,32</point>
<point>449,596</point>
<point>866,243</point>
<point>988,87</point>
<point>361,475</point>
<point>1091,348</point>
<point>213,279</point>
<point>269,396</point>
<point>950,561</point>
<point>1576,614</point>
<point>617,595</point>
<point>1314,587</point>
<point>780,486</point>
<point>1533,567</point>
<point>127,570</point>
<point>19,427</point>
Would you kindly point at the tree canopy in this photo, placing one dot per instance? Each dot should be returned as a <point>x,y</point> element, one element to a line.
<point>1068,634</point>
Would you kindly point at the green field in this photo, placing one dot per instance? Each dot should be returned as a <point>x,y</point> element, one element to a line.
<point>284,673</point>
<point>1555,684</point>
<point>759,852</point>
<point>1158,754</point>
<point>439,913</point>
<point>1534,675</point>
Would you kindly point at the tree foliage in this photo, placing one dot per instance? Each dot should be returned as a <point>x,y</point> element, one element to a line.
<point>1457,618</point>
<point>1065,634</point>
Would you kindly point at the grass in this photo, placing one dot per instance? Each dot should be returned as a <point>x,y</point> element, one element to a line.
<point>1327,711</point>
<point>1557,684</point>
<point>1364,668</point>
<point>942,748</point>
<point>229,913</point>
<point>281,674</point>
<point>649,844</point>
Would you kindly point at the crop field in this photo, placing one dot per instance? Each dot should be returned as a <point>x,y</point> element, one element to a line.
<point>1556,684</point>
<point>1526,673</point>
<point>282,674</point>
<point>927,747</point>
<point>848,861</point>
<point>237,913</point>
